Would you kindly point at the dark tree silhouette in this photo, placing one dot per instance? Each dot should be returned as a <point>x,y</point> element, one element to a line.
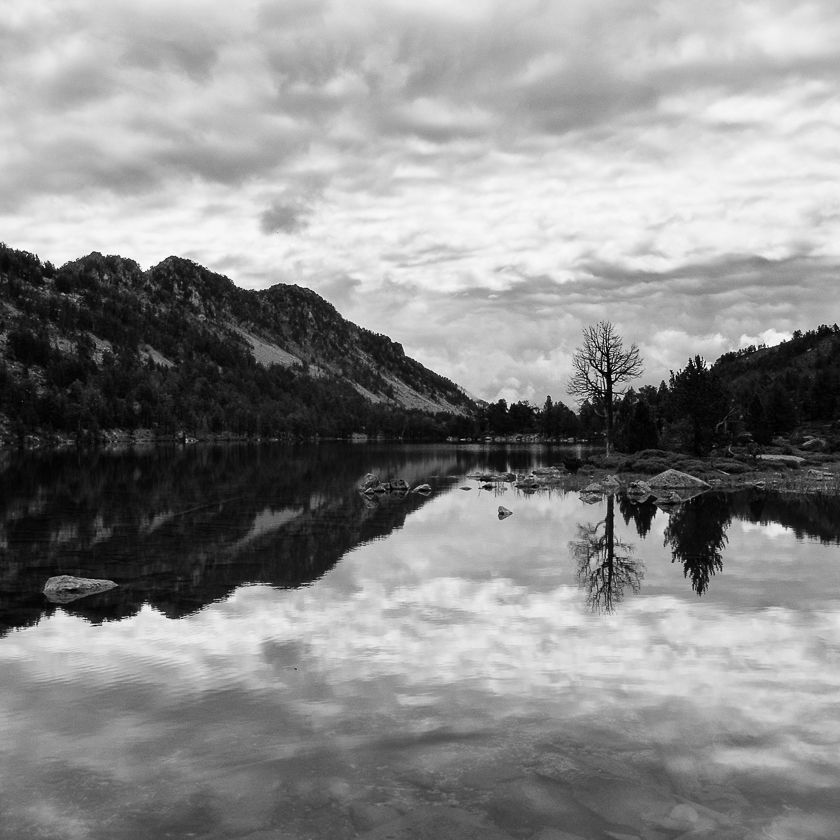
<point>699,399</point>
<point>696,533</point>
<point>602,364</point>
<point>605,565</point>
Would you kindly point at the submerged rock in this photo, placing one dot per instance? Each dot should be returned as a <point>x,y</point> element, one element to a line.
<point>66,588</point>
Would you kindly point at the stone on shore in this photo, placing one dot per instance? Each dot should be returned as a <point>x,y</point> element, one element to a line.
<point>669,498</point>
<point>814,445</point>
<point>610,484</point>
<point>63,589</point>
<point>784,460</point>
<point>676,480</point>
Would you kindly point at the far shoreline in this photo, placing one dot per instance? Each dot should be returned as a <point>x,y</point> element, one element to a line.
<point>780,468</point>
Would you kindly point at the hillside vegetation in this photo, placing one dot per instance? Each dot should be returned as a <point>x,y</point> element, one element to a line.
<point>101,344</point>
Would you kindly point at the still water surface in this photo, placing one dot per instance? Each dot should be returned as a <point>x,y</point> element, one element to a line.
<point>282,659</point>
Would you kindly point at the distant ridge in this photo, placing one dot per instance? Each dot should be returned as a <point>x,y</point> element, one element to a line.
<point>101,343</point>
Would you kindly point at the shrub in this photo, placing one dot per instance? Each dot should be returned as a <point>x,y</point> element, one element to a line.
<point>730,465</point>
<point>651,466</point>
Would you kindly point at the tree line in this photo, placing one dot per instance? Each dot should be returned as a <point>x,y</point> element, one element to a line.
<point>700,405</point>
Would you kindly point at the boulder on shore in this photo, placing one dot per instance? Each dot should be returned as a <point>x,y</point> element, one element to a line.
<point>669,498</point>
<point>63,589</point>
<point>610,484</point>
<point>639,491</point>
<point>783,460</point>
<point>674,479</point>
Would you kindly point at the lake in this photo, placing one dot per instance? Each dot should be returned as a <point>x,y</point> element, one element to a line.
<point>284,658</point>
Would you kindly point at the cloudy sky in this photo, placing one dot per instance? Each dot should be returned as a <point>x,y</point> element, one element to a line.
<point>479,180</point>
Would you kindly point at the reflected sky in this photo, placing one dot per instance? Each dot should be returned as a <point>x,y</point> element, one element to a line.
<point>454,662</point>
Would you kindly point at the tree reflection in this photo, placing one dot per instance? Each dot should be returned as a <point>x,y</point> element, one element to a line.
<point>605,565</point>
<point>641,512</point>
<point>696,533</point>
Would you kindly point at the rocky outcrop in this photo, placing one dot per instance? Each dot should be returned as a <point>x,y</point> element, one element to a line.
<point>66,588</point>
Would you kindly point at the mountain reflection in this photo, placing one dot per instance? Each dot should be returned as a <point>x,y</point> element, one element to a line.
<point>179,528</point>
<point>696,534</point>
<point>605,565</point>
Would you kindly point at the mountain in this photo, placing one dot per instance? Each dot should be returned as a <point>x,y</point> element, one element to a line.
<point>800,377</point>
<point>100,343</point>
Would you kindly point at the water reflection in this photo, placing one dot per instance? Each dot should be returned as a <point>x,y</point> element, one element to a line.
<point>605,565</point>
<point>445,678</point>
<point>696,534</point>
<point>179,528</point>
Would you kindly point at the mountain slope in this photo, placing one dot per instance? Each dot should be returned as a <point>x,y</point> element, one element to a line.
<point>804,371</point>
<point>181,345</point>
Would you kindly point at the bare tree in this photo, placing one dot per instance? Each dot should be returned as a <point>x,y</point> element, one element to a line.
<point>600,364</point>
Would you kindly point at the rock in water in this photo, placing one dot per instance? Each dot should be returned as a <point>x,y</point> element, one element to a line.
<point>423,489</point>
<point>369,481</point>
<point>65,588</point>
<point>504,513</point>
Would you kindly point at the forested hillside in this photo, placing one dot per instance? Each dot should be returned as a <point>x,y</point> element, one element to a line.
<point>101,344</point>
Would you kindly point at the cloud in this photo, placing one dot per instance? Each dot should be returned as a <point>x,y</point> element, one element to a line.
<point>284,217</point>
<point>512,170</point>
